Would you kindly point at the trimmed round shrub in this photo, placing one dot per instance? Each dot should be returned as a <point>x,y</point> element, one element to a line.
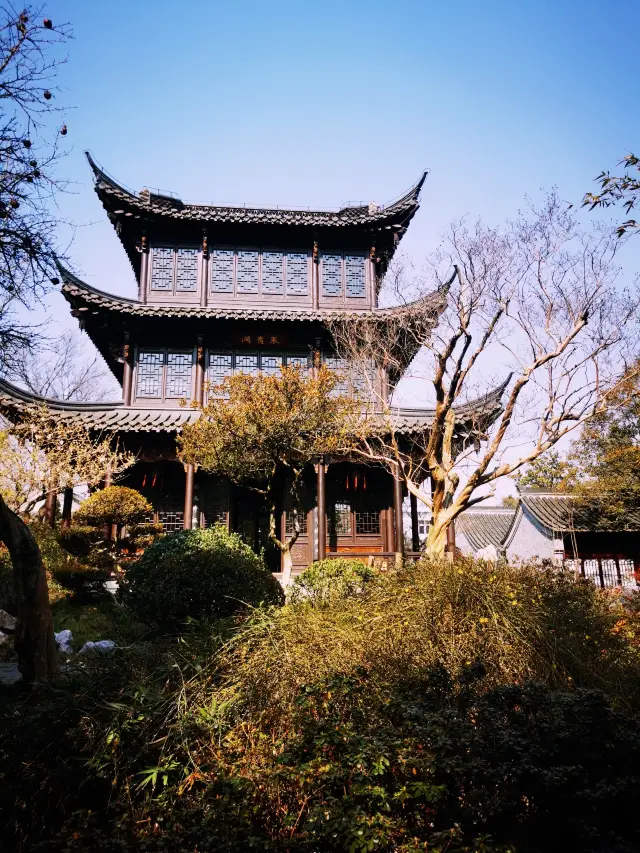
<point>113,505</point>
<point>195,574</point>
<point>328,580</point>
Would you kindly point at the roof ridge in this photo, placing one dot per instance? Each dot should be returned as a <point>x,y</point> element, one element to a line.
<point>172,202</point>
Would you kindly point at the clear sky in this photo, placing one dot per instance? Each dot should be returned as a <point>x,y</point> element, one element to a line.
<point>314,104</point>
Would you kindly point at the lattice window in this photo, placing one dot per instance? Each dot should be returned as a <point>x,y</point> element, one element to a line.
<point>610,572</point>
<point>297,273</point>
<point>354,276</point>
<point>179,374</point>
<point>220,366</point>
<point>367,522</point>
<point>171,515</point>
<point>299,360</point>
<point>187,270</point>
<point>340,520</point>
<point>627,573</point>
<point>149,381</point>
<point>215,505</point>
<point>247,362</point>
<point>221,263</point>
<point>272,272</point>
<point>332,275</point>
<point>247,271</point>
<point>339,366</point>
<point>271,363</point>
<point>289,527</point>
<point>161,269</point>
<point>591,571</point>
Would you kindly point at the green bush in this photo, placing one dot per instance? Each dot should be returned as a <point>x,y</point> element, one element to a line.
<point>198,573</point>
<point>464,707</point>
<point>326,580</point>
<point>113,505</point>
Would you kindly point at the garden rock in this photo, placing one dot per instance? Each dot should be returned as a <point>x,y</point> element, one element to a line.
<point>100,647</point>
<point>63,641</point>
<point>7,622</point>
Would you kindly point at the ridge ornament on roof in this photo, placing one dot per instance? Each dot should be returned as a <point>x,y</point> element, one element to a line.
<point>395,216</point>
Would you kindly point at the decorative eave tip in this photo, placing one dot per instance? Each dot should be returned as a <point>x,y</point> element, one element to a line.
<point>166,203</point>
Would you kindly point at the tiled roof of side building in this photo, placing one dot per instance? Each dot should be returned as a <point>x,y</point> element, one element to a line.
<point>486,526</point>
<point>562,513</point>
<point>163,205</point>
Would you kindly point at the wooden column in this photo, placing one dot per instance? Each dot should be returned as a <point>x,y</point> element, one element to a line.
<point>50,508</point>
<point>204,269</point>
<point>127,371</point>
<point>390,527</point>
<point>199,389</point>
<point>397,511</point>
<point>188,497</point>
<point>67,506</point>
<point>315,276</point>
<point>144,266</point>
<point>322,511</point>
<point>415,531</point>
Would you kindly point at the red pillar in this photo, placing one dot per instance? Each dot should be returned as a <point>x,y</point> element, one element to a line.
<point>397,510</point>
<point>322,511</point>
<point>188,497</point>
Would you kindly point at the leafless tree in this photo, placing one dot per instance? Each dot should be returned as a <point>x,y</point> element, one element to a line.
<point>65,368</point>
<point>31,143</point>
<point>533,308</point>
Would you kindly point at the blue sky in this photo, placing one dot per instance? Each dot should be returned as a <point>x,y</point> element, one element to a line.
<point>313,104</point>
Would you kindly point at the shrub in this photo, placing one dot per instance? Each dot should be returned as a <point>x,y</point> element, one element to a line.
<point>198,573</point>
<point>326,580</point>
<point>113,505</point>
<point>446,707</point>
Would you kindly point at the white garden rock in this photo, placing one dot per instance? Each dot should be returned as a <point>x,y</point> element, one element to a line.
<point>97,649</point>
<point>7,622</point>
<point>63,641</point>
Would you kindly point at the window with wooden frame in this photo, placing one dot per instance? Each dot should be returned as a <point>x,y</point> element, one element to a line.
<point>174,270</point>
<point>224,363</point>
<point>164,374</point>
<point>343,275</point>
<point>264,272</point>
<point>353,511</point>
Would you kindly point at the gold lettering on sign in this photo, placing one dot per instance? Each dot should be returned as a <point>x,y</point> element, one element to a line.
<point>260,339</point>
<point>274,339</point>
<point>246,339</point>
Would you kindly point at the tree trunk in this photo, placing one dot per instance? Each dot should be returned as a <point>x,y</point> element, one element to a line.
<point>287,567</point>
<point>436,541</point>
<point>34,640</point>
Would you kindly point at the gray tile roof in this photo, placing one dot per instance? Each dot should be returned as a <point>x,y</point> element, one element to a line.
<point>146,202</point>
<point>561,513</point>
<point>118,417</point>
<point>487,526</point>
<point>84,297</point>
<point>99,416</point>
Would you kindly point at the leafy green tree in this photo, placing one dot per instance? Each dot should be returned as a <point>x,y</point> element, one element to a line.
<point>623,189</point>
<point>263,431</point>
<point>549,471</point>
<point>607,456</point>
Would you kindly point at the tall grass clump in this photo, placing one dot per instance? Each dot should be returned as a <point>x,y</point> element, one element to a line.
<point>440,707</point>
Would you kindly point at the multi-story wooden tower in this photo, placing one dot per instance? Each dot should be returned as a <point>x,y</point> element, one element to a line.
<point>224,289</point>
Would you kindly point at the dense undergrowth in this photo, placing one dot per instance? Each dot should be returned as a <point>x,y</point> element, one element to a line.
<point>442,708</point>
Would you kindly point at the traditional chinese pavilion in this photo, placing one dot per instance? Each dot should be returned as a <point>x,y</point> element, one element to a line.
<point>228,289</point>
